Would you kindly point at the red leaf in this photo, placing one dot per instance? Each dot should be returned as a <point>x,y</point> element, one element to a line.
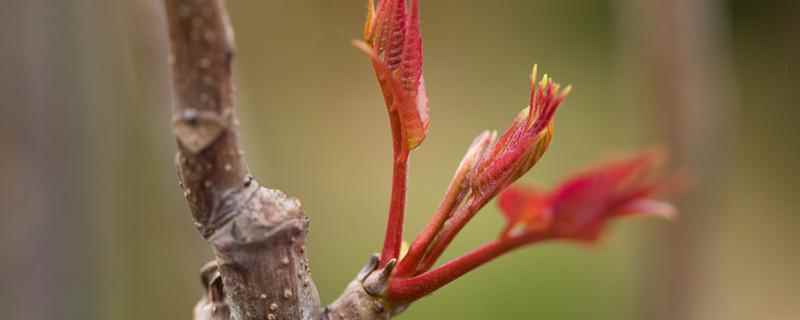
<point>395,47</point>
<point>582,206</point>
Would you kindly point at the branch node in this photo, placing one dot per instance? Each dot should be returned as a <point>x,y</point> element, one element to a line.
<point>376,282</point>
<point>367,269</point>
<point>250,218</point>
<point>362,299</point>
<point>212,306</point>
<point>197,129</point>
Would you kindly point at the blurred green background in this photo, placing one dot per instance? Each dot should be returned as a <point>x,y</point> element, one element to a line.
<point>93,226</point>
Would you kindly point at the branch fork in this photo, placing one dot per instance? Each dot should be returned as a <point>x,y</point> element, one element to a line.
<point>365,296</point>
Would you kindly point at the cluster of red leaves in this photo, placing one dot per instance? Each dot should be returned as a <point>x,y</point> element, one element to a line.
<point>581,207</point>
<point>578,209</point>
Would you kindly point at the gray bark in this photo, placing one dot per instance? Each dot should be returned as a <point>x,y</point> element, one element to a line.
<point>257,234</point>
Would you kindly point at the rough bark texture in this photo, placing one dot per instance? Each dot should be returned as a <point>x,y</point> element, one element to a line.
<point>258,234</point>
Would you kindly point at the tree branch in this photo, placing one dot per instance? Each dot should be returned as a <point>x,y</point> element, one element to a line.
<point>257,234</point>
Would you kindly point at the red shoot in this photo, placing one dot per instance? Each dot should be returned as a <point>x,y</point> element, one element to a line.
<point>579,209</point>
<point>498,165</point>
<point>394,45</point>
<point>456,192</point>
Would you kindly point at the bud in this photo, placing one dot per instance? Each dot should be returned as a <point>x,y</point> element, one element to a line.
<point>525,142</point>
<point>393,42</point>
<point>463,177</point>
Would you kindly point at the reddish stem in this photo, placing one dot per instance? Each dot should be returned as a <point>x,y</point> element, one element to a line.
<point>410,289</point>
<point>450,229</point>
<point>394,226</point>
<point>408,266</point>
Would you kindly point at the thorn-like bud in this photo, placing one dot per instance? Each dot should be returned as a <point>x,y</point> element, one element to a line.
<point>376,283</point>
<point>371,265</point>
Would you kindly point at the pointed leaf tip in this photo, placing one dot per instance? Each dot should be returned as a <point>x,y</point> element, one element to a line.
<point>369,25</point>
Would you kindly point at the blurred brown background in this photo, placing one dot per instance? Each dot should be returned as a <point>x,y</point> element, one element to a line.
<point>92,225</point>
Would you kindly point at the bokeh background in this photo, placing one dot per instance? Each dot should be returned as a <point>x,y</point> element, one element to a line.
<point>93,226</point>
